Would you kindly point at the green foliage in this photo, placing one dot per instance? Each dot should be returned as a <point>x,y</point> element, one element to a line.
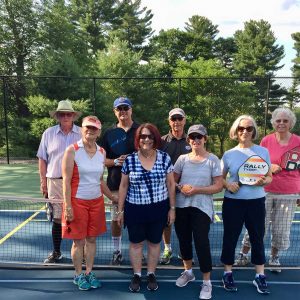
<point>257,52</point>
<point>40,106</point>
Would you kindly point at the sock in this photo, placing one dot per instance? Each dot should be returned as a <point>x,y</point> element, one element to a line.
<point>207,282</point>
<point>138,273</point>
<point>168,247</point>
<point>117,243</point>
<point>227,272</point>
<point>56,236</point>
<point>190,271</point>
<point>148,273</point>
<point>259,274</point>
<point>244,254</point>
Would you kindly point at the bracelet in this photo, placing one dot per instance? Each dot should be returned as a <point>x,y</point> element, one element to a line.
<point>172,207</point>
<point>119,212</point>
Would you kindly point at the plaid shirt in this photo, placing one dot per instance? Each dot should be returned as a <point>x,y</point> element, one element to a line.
<point>146,187</point>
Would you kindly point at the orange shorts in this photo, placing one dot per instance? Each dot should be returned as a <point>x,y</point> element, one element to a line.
<point>89,219</point>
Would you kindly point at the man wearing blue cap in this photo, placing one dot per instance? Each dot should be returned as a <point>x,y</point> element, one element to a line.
<point>118,142</point>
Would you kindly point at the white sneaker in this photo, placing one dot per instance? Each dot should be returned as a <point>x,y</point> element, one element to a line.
<point>205,291</point>
<point>241,260</point>
<point>184,279</point>
<point>275,264</point>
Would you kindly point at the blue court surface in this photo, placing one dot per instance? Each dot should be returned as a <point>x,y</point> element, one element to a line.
<point>57,284</point>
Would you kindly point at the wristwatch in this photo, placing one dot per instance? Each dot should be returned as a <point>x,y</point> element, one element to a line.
<point>116,162</point>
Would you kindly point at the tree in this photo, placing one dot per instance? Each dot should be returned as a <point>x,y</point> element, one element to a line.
<point>213,101</point>
<point>133,24</point>
<point>224,49</point>
<point>18,39</point>
<point>296,60</point>
<point>257,51</point>
<point>94,19</point>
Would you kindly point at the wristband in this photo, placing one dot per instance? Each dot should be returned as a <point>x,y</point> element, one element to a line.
<point>68,208</point>
<point>116,162</point>
<point>172,207</point>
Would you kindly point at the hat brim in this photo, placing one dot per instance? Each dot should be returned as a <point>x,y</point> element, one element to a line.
<point>53,114</point>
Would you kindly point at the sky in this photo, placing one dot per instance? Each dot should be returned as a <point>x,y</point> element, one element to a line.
<point>230,15</point>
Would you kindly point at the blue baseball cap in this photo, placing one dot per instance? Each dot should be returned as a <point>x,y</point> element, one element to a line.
<point>122,101</point>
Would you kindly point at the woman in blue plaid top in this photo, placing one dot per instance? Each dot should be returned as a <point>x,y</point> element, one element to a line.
<point>146,201</point>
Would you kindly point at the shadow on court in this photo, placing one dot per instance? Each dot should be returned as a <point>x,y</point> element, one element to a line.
<point>57,284</point>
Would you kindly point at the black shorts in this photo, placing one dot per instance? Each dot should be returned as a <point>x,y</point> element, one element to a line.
<point>150,231</point>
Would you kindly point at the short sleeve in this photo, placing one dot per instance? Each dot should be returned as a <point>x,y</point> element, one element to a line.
<point>224,164</point>
<point>42,151</point>
<point>179,164</point>
<point>125,166</point>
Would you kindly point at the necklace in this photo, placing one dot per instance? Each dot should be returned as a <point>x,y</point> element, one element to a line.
<point>147,156</point>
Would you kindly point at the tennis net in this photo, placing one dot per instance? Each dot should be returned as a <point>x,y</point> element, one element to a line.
<point>25,236</point>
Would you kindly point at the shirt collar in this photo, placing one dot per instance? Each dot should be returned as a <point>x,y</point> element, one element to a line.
<point>75,129</point>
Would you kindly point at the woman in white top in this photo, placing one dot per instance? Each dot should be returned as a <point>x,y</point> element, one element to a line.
<point>83,189</point>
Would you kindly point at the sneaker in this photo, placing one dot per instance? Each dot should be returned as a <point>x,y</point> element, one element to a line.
<point>117,258</point>
<point>166,257</point>
<point>54,257</point>
<point>228,282</point>
<point>275,264</point>
<point>75,279</point>
<point>93,281</point>
<point>82,282</point>
<point>241,260</point>
<point>261,284</point>
<point>135,284</point>
<point>205,292</point>
<point>151,282</point>
<point>184,279</point>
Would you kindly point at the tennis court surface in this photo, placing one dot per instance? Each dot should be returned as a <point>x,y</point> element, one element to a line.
<point>25,240</point>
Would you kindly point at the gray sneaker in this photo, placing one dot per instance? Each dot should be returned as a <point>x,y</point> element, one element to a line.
<point>184,279</point>
<point>275,264</point>
<point>205,292</point>
<point>242,260</point>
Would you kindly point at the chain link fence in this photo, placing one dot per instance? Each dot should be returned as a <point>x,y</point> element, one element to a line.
<point>214,102</point>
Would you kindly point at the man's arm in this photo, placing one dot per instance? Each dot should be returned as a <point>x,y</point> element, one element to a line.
<point>43,178</point>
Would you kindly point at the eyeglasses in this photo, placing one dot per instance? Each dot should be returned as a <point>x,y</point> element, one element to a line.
<point>69,229</point>
<point>144,136</point>
<point>282,120</point>
<point>123,108</point>
<point>196,136</point>
<point>173,119</point>
<point>248,129</point>
<point>68,115</point>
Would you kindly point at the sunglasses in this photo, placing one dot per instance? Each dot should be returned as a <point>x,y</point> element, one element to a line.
<point>196,136</point>
<point>69,115</point>
<point>282,120</point>
<point>173,119</point>
<point>69,229</point>
<point>144,136</point>
<point>123,108</point>
<point>248,129</point>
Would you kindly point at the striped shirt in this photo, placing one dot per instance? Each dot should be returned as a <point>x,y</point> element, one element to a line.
<point>53,145</point>
<point>146,187</point>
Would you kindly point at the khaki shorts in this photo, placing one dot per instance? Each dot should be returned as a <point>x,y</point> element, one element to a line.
<point>114,208</point>
<point>55,191</point>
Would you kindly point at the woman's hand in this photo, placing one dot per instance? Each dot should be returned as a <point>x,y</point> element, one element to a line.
<point>171,216</point>
<point>232,187</point>
<point>68,211</point>
<point>275,168</point>
<point>115,199</point>
<point>261,181</point>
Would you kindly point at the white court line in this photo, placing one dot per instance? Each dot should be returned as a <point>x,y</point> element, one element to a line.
<point>128,280</point>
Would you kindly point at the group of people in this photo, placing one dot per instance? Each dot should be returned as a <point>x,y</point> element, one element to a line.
<point>156,181</point>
